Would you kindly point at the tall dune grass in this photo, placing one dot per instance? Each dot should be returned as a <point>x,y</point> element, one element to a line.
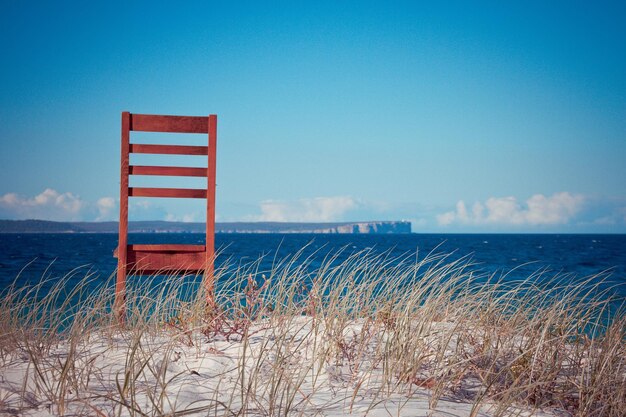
<point>345,337</point>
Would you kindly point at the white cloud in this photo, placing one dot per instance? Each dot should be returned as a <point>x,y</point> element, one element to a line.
<point>107,208</point>
<point>320,209</point>
<point>446,218</point>
<point>53,205</point>
<point>49,205</point>
<point>56,206</point>
<point>559,208</point>
<point>185,218</point>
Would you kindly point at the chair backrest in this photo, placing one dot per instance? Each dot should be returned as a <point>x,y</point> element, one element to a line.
<point>166,259</point>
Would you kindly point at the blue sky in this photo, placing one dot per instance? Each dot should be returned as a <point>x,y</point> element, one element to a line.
<point>457,116</point>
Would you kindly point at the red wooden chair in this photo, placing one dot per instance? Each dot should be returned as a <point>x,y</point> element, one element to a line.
<point>166,259</point>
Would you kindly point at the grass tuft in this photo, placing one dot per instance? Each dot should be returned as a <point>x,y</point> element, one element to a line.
<point>367,335</point>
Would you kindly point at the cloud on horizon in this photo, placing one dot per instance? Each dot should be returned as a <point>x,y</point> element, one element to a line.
<point>560,212</point>
<point>53,205</point>
<point>48,205</point>
<point>557,209</point>
<point>107,208</point>
<point>319,209</point>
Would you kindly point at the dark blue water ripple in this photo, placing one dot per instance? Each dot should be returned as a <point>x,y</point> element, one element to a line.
<point>54,255</point>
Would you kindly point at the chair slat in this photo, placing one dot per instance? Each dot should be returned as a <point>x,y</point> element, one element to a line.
<point>168,171</point>
<point>176,124</point>
<point>167,248</point>
<point>166,192</point>
<point>169,149</point>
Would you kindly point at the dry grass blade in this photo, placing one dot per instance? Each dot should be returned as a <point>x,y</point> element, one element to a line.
<point>368,335</point>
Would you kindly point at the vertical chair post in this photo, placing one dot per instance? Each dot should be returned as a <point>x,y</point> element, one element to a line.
<point>122,248</point>
<point>210,210</point>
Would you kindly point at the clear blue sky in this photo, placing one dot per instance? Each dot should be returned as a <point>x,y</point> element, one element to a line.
<point>457,116</point>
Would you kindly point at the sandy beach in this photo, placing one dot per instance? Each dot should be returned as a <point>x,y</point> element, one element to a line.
<point>361,337</point>
<point>273,370</point>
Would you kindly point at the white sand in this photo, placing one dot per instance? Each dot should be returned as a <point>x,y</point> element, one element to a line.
<point>195,375</point>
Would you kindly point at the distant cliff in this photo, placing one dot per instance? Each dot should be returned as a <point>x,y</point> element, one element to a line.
<point>276,227</point>
<point>43,226</point>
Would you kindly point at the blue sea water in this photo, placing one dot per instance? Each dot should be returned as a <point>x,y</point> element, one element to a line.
<point>33,256</point>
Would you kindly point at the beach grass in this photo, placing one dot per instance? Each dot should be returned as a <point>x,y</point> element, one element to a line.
<point>369,335</point>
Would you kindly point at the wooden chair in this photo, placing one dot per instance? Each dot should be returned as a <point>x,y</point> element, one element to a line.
<point>168,258</point>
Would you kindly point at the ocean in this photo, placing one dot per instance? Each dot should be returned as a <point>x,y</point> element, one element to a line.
<point>26,258</point>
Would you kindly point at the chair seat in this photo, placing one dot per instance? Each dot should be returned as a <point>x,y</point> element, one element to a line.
<point>164,259</point>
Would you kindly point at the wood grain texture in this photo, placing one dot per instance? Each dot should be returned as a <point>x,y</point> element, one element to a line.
<point>210,202</point>
<point>145,262</point>
<point>167,192</point>
<point>122,258</point>
<point>167,248</point>
<point>169,149</point>
<point>168,171</point>
<point>177,124</point>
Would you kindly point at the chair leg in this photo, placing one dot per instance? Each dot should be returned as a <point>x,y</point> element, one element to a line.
<point>119,305</point>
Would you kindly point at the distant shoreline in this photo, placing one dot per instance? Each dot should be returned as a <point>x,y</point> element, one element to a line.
<point>46,226</point>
